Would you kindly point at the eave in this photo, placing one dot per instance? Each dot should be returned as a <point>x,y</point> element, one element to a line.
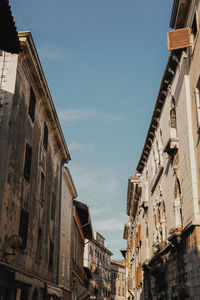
<point>85,219</point>
<point>179,13</point>
<point>30,58</point>
<point>9,40</point>
<point>167,79</point>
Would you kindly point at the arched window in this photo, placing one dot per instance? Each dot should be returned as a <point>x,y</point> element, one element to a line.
<point>163,221</point>
<point>177,204</point>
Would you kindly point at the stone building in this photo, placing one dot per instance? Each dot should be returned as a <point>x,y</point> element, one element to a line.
<point>98,259</point>
<point>65,244</point>
<point>163,233</point>
<point>81,232</point>
<point>33,152</point>
<point>118,280</point>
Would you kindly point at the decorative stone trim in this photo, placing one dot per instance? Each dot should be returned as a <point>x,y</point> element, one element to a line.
<point>156,178</point>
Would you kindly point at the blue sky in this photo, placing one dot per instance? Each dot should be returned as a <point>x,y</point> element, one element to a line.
<point>103,61</point>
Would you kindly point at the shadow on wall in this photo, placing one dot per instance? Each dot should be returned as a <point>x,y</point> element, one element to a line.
<point>166,275</point>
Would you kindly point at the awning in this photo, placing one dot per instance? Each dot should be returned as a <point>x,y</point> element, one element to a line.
<point>53,291</point>
<point>28,280</point>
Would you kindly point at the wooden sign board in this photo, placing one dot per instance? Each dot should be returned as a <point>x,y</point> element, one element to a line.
<point>178,39</point>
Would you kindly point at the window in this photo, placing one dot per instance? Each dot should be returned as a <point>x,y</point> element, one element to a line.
<point>45,138</point>
<point>32,101</point>
<point>20,294</point>
<point>194,28</point>
<point>23,227</point>
<point>51,252</point>
<point>173,113</point>
<point>53,206</point>
<point>42,187</point>
<point>27,163</point>
<point>39,245</point>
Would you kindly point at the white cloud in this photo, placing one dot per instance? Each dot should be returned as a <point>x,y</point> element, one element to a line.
<point>102,189</point>
<point>51,52</point>
<point>96,183</point>
<point>73,115</point>
<point>108,225</point>
<point>95,212</point>
<point>75,146</point>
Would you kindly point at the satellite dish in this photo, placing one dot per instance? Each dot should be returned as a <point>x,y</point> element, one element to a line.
<point>14,242</point>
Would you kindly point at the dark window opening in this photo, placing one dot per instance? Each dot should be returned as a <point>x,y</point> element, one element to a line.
<point>51,252</point>
<point>194,27</point>
<point>23,227</point>
<point>27,164</point>
<point>45,140</point>
<point>53,206</point>
<point>39,245</point>
<point>32,102</point>
<point>42,187</point>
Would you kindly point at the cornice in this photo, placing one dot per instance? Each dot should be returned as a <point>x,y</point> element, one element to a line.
<point>166,81</point>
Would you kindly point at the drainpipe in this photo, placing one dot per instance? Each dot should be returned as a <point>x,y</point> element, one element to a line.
<point>59,218</point>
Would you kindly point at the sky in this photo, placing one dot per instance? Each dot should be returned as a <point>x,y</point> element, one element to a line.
<point>103,61</point>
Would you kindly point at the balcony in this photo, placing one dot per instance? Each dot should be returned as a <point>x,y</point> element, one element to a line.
<point>171,147</point>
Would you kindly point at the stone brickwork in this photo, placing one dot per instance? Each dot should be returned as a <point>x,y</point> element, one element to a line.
<point>33,151</point>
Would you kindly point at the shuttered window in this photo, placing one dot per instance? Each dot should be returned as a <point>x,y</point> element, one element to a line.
<point>27,163</point>
<point>45,139</point>
<point>39,245</point>
<point>51,253</point>
<point>42,187</point>
<point>53,206</point>
<point>23,227</point>
<point>32,101</point>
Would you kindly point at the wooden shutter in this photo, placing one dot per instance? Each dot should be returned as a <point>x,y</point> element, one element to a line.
<point>32,102</point>
<point>179,39</point>
<point>27,163</point>
<point>45,140</point>
<point>136,241</point>
<point>131,243</point>
<point>140,273</point>
<point>139,233</point>
<point>23,227</point>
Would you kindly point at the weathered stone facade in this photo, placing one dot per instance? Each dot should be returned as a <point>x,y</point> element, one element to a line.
<point>118,280</point>
<point>163,196</point>
<point>65,245</point>
<point>97,259</point>
<point>33,151</point>
<point>81,232</point>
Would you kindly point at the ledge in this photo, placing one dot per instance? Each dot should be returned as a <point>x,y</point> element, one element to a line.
<point>171,147</point>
